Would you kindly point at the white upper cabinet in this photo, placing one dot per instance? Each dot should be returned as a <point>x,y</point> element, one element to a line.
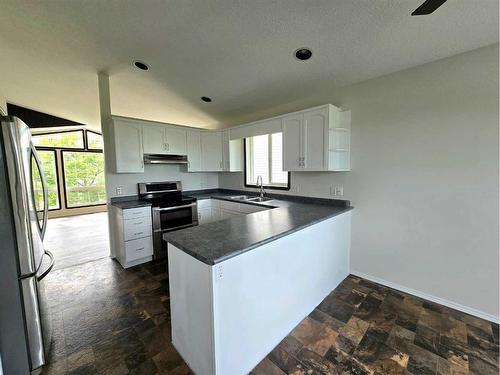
<point>153,139</point>
<point>194,150</point>
<point>159,139</point>
<point>292,142</point>
<point>127,144</point>
<point>317,140</point>
<point>211,151</point>
<point>232,153</point>
<point>175,140</point>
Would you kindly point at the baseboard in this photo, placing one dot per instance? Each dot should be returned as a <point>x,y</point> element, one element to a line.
<point>445,302</point>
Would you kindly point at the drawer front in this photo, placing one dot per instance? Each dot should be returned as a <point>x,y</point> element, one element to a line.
<point>134,232</point>
<point>204,203</point>
<point>250,208</point>
<point>134,213</point>
<point>137,222</point>
<point>140,248</point>
<point>232,206</point>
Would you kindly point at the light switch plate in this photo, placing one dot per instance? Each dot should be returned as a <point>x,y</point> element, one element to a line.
<point>119,190</point>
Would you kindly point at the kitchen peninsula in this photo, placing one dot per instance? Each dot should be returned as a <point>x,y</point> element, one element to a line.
<point>238,286</point>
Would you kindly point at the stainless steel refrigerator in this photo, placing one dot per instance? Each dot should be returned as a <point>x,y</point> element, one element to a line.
<point>25,333</point>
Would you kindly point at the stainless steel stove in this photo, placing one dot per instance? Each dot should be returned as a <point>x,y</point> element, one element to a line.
<point>171,211</point>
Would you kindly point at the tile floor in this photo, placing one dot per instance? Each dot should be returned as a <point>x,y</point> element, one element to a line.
<point>107,320</point>
<point>88,234</point>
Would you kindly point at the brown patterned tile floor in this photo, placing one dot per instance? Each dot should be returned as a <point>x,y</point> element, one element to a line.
<point>107,320</point>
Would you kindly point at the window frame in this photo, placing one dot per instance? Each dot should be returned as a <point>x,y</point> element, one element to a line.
<point>53,150</point>
<point>84,140</point>
<point>67,206</point>
<point>245,171</point>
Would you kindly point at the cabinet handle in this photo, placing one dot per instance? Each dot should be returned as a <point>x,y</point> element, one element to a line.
<point>142,163</point>
<point>168,147</point>
<point>138,223</point>
<point>139,249</point>
<point>136,234</point>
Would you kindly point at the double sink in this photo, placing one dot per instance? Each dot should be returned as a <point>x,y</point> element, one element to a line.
<point>250,198</point>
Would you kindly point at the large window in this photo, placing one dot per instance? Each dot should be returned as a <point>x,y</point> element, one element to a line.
<point>264,158</point>
<point>48,159</point>
<point>73,165</point>
<point>65,139</point>
<point>83,178</point>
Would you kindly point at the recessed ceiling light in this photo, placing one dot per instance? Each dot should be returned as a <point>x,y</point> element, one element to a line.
<point>206,99</point>
<point>303,53</point>
<point>141,65</point>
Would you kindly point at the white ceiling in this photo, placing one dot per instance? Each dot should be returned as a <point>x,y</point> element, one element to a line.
<point>239,52</point>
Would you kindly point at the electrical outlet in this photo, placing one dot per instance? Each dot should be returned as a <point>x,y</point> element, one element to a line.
<point>336,191</point>
<point>296,188</point>
<point>119,190</point>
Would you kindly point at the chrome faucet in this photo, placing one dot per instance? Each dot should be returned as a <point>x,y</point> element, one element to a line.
<point>259,178</point>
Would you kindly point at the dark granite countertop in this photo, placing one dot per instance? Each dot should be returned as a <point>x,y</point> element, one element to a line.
<point>131,203</point>
<point>215,242</point>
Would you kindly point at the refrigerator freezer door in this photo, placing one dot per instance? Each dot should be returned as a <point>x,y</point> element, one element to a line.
<point>20,165</point>
<point>33,324</point>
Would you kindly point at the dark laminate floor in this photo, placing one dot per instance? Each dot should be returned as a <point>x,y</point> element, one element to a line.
<point>113,321</point>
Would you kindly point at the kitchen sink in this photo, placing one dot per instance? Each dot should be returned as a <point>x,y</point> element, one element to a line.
<point>259,199</point>
<point>240,197</point>
<point>250,198</point>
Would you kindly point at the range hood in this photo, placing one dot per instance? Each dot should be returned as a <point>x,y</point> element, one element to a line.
<point>165,159</point>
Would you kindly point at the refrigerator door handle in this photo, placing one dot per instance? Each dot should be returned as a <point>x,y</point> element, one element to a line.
<point>44,188</point>
<point>49,268</point>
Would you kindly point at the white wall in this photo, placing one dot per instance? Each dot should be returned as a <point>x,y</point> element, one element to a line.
<point>424,179</point>
<point>165,172</point>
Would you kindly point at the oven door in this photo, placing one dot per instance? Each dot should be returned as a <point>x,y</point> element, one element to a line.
<point>167,219</point>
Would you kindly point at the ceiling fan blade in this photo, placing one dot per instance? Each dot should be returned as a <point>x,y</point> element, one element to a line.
<point>428,7</point>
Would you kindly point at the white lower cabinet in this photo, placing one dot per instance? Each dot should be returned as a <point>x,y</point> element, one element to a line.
<point>210,210</point>
<point>133,239</point>
<point>204,215</point>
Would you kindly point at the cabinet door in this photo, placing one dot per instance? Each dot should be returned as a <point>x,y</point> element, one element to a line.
<point>232,153</point>
<point>127,138</point>
<point>314,140</point>
<point>211,151</point>
<point>215,213</point>
<point>153,139</point>
<point>204,215</point>
<point>292,142</point>
<point>194,150</point>
<point>175,139</point>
